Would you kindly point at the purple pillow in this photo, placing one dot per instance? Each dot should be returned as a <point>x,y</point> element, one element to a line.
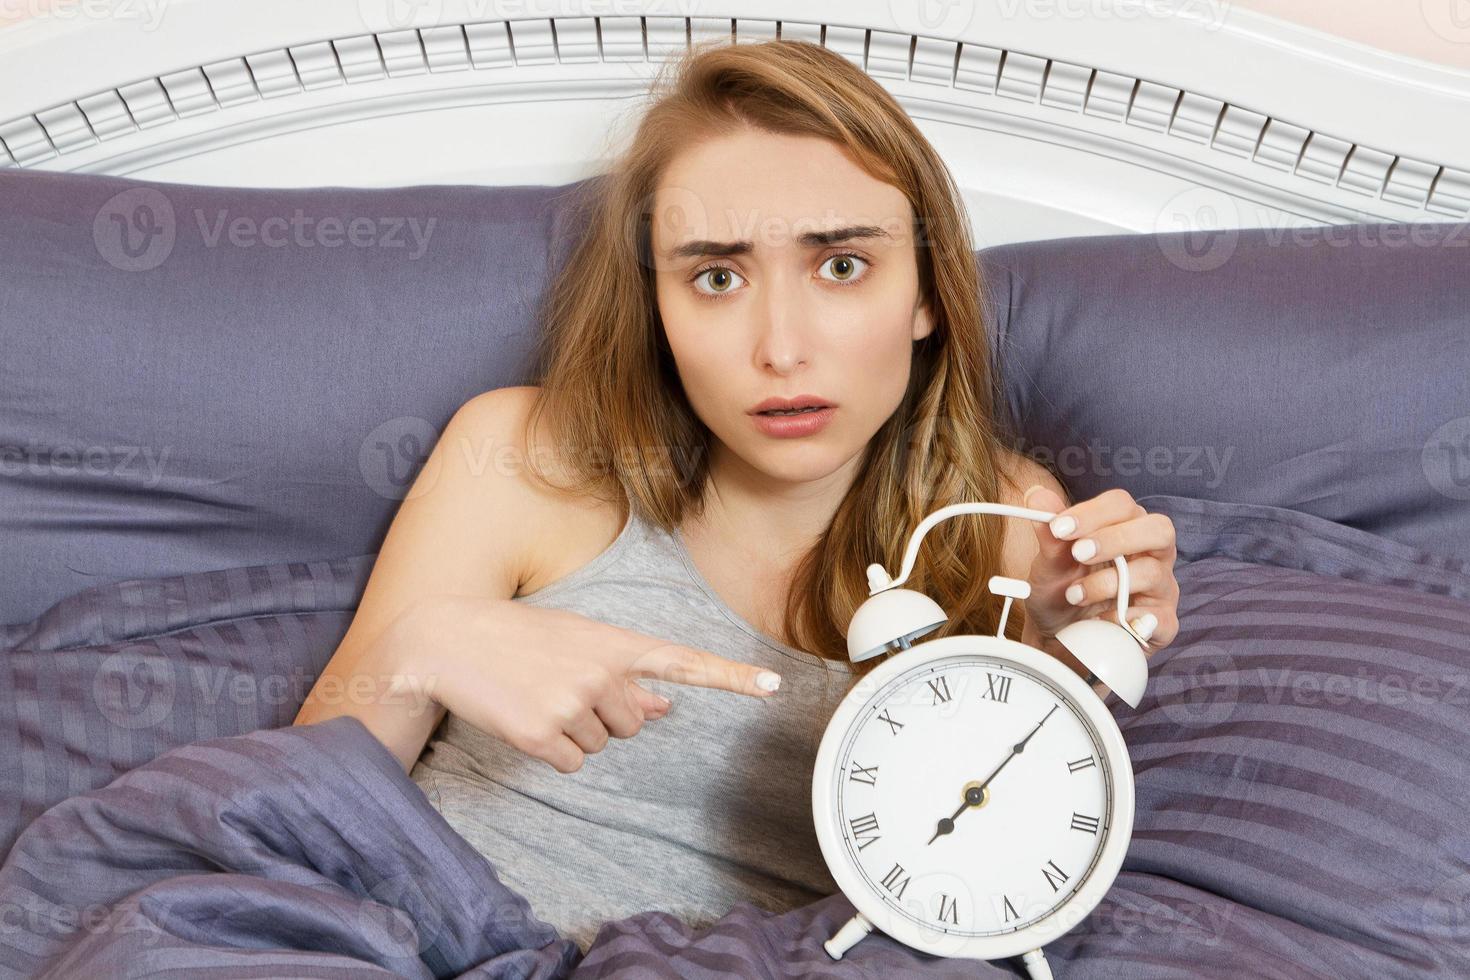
<point>1300,751</point>
<point>250,376</point>
<point>1318,369</point>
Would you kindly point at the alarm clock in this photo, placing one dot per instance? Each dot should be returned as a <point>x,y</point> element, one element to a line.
<point>972,795</point>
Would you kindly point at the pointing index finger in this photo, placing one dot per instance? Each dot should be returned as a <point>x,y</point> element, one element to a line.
<point>690,665</point>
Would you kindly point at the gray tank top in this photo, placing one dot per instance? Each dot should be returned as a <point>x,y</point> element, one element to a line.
<point>705,808</point>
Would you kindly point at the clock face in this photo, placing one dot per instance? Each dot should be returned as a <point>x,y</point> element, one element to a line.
<point>974,796</point>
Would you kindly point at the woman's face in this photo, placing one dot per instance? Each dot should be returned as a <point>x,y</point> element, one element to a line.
<point>756,305</point>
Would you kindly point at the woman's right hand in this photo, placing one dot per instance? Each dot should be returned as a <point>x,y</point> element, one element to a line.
<point>549,682</point>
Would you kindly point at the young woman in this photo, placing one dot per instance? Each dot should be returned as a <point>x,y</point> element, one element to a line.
<point>777,230</point>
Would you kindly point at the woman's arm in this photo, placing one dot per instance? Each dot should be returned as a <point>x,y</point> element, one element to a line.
<point>462,530</point>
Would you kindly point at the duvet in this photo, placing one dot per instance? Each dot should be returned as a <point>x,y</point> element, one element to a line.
<point>1299,765</point>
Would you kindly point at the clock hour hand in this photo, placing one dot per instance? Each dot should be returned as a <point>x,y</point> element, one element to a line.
<point>975,795</point>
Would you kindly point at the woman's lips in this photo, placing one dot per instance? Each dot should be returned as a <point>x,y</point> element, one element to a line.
<point>795,426</point>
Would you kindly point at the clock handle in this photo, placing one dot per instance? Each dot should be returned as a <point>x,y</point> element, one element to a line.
<point>1036,965</point>
<point>847,937</point>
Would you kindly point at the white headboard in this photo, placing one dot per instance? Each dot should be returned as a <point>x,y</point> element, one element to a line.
<point>1058,117</point>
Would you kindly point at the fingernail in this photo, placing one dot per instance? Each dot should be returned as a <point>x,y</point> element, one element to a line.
<point>1084,549</point>
<point>767,681</point>
<point>1074,594</point>
<point>663,702</point>
<point>1063,526</point>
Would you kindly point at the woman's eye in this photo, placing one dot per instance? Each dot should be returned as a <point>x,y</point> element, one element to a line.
<point>722,279</point>
<point>843,266</point>
<point>719,279</point>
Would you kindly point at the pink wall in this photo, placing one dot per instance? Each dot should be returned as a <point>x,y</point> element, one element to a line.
<point>1430,30</point>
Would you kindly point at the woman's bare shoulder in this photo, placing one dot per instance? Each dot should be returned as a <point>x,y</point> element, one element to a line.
<point>566,529</point>
<point>499,422</point>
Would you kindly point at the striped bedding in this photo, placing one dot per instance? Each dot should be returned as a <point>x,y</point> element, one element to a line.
<point>1300,760</point>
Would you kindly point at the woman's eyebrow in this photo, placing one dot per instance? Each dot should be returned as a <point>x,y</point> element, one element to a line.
<point>810,239</point>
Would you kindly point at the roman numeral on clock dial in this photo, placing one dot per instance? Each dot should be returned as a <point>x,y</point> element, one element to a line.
<point>1084,823</point>
<point>890,881</point>
<point>1010,910</point>
<point>865,774</point>
<point>865,829</point>
<point>998,688</point>
<point>940,687</point>
<point>949,910</point>
<point>1078,765</point>
<point>892,724</point>
<point>1061,878</point>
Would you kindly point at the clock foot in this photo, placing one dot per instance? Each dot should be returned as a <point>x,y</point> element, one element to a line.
<point>1036,966</point>
<point>847,937</point>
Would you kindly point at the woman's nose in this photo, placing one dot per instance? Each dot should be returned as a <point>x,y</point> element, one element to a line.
<point>782,333</point>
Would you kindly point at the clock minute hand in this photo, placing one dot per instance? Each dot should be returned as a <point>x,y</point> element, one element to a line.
<point>974,795</point>
<point>1021,745</point>
<point>1016,750</point>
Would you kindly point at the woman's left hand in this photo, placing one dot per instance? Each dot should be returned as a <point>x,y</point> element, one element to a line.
<point>1073,575</point>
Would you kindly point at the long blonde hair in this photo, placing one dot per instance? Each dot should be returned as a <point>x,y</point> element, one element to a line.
<point>611,392</point>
